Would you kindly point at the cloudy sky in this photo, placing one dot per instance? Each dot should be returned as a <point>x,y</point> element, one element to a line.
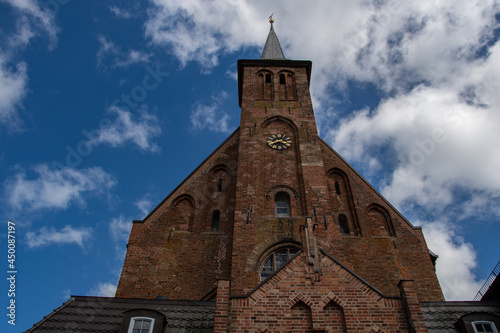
<point>106,106</point>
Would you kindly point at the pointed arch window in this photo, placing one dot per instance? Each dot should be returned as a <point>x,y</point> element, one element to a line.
<point>215,220</point>
<point>282,204</point>
<point>344,224</point>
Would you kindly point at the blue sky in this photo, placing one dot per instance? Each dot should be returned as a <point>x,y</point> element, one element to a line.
<point>106,106</point>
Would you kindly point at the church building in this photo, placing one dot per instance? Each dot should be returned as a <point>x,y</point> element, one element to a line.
<point>274,232</point>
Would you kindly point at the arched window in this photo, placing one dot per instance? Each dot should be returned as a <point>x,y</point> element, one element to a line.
<point>265,89</point>
<point>287,89</point>
<point>141,325</point>
<point>282,204</point>
<point>215,220</point>
<point>268,87</point>
<point>282,79</point>
<point>219,185</point>
<point>484,327</point>
<point>276,260</point>
<point>344,225</point>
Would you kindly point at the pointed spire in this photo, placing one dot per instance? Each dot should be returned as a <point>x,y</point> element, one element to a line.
<point>272,49</point>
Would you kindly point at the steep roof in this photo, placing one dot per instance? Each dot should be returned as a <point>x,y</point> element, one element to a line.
<point>272,49</point>
<point>105,314</point>
<point>440,317</point>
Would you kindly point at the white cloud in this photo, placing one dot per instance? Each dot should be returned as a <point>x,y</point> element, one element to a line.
<point>126,128</point>
<point>456,260</point>
<point>211,117</point>
<point>120,58</point>
<point>201,30</point>
<point>12,91</point>
<point>50,236</point>
<point>120,12</point>
<point>144,204</point>
<point>55,188</point>
<point>434,64</point>
<point>119,228</point>
<point>103,289</point>
<point>32,20</point>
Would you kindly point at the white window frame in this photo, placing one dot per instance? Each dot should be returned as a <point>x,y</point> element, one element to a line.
<point>134,319</point>
<point>492,324</point>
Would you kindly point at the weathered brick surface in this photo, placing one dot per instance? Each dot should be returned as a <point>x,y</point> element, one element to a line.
<point>388,248</point>
<point>339,302</point>
<point>174,252</point>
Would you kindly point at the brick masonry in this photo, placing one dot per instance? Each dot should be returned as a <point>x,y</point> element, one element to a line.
<point>175,253</point>
<point>339,302</point>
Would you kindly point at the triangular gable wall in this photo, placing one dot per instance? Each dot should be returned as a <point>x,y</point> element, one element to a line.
<point>340,302</point>
<point>382,246</point>
<point>179,250</point>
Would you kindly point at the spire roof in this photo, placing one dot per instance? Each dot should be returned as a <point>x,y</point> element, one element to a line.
<point>272,49</point>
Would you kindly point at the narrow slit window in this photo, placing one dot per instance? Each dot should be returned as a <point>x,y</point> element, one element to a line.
<point>337,188</point>
<point>219,185</point>
<point>215,220</point>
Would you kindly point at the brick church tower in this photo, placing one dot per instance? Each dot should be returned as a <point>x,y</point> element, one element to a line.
<point>280,230</point>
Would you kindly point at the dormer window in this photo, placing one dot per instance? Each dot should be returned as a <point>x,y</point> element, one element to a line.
<point>141,325</point>
<point>484,327</point>
<point>142,321</point>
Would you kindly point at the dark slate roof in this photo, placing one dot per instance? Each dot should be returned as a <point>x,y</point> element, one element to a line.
<point>272,49</point>
<point>104,315</point>
<point>441,317</point>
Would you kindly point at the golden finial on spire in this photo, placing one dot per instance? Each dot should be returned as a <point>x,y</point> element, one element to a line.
<point>271,20</point>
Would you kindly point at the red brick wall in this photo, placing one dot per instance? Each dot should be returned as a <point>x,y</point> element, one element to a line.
<point>174,251</point>
<point>339,302</point>
<point>388,248</point>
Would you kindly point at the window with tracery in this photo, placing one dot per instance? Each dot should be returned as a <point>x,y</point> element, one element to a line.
<point>276,260</point>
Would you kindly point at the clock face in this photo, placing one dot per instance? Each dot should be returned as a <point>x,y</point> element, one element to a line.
<point>279,141</point>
